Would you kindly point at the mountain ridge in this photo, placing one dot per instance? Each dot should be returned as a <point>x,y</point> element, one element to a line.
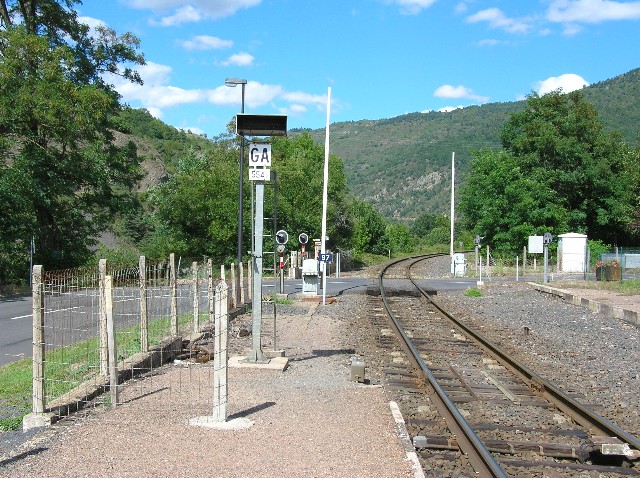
<point>402,165</point>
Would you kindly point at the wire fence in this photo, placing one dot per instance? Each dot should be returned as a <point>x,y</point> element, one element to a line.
<point>620,264</point>
<point>111,329</point>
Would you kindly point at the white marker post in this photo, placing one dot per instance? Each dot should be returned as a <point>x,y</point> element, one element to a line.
<point>323,247</point>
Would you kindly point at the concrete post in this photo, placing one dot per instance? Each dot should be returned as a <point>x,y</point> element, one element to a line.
<point>256,354</point>
<point>111,337</point>
<point>196,304</point>
<point>173,289</point>
<point>104,352</point>
<point>144,318</point>
<point>220,355</point>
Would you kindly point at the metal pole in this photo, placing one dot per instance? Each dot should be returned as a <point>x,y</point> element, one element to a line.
<point>32,249</point>
<point>256,354</point>
<point>240,205</point>
<point>323,239</point>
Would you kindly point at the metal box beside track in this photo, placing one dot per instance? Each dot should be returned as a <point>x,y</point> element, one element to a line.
<point>357,370</point>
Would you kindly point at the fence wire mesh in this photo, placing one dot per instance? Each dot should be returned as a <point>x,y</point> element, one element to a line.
<point>151,306</point>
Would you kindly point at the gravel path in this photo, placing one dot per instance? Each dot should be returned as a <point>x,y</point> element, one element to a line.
<point>307,421</point>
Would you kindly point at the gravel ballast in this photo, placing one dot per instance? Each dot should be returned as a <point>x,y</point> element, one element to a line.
<point>583,352</point>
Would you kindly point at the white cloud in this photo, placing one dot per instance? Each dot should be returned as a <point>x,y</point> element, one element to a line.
<point>192,10</point>
<point>497,19</point>
<point>592,11</point>
<point>488,42</point>
<point>93,23</point>
<point>186,14</point>
<point>413,7</point>
<point>568,82</point>
<point>448,109</point>
<point>319,101</point>
<point>461,8</point>
<point>449,91</point>
<point>154,74</point>
<point>571,29</point>
<point>157,94</point>
<point>239,59</point>
<point>294,110</point>
<point>155,112</point>
<point>206,42</point>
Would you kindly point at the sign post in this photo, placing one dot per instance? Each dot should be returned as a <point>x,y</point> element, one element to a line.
<point>303,238</point>
<point>281,239</point>
<point>546,239</point>
<point>259,164</point>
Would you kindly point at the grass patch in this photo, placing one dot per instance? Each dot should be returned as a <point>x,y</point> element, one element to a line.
<point>67,367</point>
<point>281,300</point>
<point>472,292</point>
<point>12,423</point>
<point>15,393</point>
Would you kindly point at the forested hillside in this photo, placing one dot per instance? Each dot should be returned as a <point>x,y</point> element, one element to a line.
<point>402,165</point>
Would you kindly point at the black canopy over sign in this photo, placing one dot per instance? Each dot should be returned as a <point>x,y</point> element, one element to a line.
<point>261,125</point>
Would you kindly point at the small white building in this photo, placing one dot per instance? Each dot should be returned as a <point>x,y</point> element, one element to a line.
<point>572,252</point>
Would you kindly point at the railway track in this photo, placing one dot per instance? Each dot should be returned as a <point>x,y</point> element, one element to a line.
<point>473,410</point>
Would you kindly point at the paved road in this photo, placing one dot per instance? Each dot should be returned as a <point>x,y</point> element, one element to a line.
<point>15,328</point>
<point>16,320</point>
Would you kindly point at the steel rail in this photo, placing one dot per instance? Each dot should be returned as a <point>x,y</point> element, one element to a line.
<point>478,455</point>
<point>583,415</point>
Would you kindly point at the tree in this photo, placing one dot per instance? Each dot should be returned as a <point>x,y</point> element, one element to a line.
<point>60,166</point>
<point>502,204</point>
<point>369,229</point>
<point>299,164</point>
<point>426,222</point>
<point>558,172</point>
<point>195,212</point>
<point>400,238</point>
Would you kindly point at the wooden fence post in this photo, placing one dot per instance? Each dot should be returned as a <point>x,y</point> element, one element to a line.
<point>196,304</point>
<point>172,294</point>
<point>104,352</point>
<point>144,318</point>
<point>111,337</point>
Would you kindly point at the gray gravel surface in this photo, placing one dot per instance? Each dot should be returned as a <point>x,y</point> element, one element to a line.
<point>309,420</point>
<point>582,352</point>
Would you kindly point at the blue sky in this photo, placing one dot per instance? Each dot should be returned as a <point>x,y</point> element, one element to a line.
<point>381,58</point>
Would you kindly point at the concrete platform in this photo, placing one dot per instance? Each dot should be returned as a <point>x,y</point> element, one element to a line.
<point>211,422</point>
<point>274,363</point>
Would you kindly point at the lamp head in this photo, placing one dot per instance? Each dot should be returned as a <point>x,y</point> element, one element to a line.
<point>234,81</point>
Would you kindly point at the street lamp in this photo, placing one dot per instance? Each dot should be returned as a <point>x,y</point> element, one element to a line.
<point>233,82</point>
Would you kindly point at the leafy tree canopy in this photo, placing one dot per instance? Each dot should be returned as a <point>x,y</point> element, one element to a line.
<point>59,170</point>
<point>195,212</point>
<point>558,172</point>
